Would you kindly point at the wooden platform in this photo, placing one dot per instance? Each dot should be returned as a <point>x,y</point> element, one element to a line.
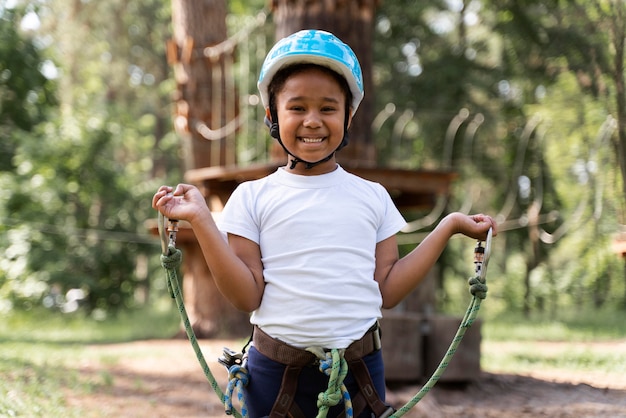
<point>409,189</point>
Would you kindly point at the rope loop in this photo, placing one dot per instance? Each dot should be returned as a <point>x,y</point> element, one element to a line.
<point>238,378</point>
<point>478,287</point>
<point>334,365</point>
<point>172,260</point>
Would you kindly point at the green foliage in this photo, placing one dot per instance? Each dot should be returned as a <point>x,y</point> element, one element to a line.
<point>73,199</point>
<point>21,397</point>
<point>514,344</point>
<point>81,174</point>
<point>82,181</point>
<point>543,81</point>
<point>248,7</point>
<point>572,324</point>
<point>528,357</point>
<point>583,340</point>
<point>25,93</point>
<point>161,320</point>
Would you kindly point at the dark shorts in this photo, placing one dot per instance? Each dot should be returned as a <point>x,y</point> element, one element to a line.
<point>266,377</point>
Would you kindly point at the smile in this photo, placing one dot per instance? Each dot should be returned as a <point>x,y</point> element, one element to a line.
<point>311,140</point>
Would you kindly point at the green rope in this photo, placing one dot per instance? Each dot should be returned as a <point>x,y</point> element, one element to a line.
<point>332,363</point>
<point>478,289</point>
<point>171,262</point>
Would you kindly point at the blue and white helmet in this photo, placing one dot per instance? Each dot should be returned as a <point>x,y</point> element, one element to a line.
<point>315,47</point>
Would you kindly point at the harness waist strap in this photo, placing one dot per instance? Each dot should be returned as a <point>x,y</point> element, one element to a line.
<point>284,353</point>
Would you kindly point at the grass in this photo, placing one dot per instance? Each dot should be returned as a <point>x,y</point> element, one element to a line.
<point>586,343</point>
<point>77,328</point>
<point>572,327</point>
<point>41,353</point>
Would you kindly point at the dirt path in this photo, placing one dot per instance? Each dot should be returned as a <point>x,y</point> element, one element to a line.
<point>163,379</point>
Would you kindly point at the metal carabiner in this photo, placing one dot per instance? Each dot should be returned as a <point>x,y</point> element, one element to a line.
<point>167,231</point>
<point>481,256</point>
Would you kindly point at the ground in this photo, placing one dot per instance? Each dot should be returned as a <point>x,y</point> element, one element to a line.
<point>163,379</point>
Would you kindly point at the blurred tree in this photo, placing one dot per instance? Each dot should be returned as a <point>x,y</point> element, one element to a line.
<point>25,92</point>
<point>550,41</point>
<point>497,60</point>
<point>83,180</point>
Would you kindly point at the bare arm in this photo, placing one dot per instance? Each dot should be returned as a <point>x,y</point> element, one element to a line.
<point>236,268</point>
<point>397,277</point>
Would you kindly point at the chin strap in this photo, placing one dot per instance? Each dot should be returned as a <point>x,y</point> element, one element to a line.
<point>307,164</point>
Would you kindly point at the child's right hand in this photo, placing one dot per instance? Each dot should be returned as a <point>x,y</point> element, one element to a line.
<point>184,203</point>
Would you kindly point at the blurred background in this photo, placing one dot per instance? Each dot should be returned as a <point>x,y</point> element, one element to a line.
<point>519,106</point>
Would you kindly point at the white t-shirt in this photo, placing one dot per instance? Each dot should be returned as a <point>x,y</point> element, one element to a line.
<point>317,236</point>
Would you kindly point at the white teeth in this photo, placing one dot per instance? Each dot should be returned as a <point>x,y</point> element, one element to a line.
<point>312,140</point>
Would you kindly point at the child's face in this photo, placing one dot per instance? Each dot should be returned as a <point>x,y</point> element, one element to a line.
<point>311,108</point>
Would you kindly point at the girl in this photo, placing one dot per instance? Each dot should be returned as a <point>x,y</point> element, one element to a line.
<point>311,249</point>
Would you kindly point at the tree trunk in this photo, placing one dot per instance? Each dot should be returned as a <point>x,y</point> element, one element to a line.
<point>352,22</point>
<point>200,80</point>
<point>201,102</point>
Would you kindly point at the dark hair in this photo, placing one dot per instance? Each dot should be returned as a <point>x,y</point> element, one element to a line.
<point>280,78</point>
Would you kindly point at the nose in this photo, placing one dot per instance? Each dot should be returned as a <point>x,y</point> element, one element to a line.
<point>312,120</point>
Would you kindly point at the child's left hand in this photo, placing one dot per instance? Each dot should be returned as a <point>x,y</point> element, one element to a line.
<point>474,226</point>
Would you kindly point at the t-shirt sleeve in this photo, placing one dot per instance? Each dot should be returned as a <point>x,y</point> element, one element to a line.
<point>392,221</point>
<point>238,217</point>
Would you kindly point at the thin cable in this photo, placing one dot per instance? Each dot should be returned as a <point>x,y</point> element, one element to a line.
<point>100,234</point>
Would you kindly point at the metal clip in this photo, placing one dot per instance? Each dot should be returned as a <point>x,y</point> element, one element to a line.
<point>167,231</point>
<point>230,358</point>
<point>172,229</point>
<point>481,256</point>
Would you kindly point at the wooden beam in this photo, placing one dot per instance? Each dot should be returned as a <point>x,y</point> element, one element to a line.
<point>409,189</point>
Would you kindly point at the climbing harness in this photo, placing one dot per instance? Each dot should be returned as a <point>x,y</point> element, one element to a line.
<point>334,363</point>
